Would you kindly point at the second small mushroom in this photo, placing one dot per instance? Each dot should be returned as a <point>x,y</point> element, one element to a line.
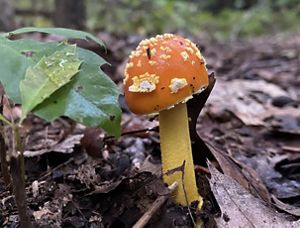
<point>161,75</point>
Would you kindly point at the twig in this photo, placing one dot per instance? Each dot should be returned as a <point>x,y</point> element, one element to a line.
<point>4,163</point>
<point>181,169</point>
<point>13,140</point>
<point>19,191</point>
<point>79,210</point>
<point>49,172</point>
<point>17,168</point>
<point>3,160</point>
<point>201,169</point>
<point>3,201</point>
<point>30,12</point>
<point>142,222</point>
<point>176,169</point>
<point>185,194</point>
<point>155,129</point>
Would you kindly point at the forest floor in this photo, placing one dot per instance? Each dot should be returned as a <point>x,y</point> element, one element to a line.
<point>79,177</point>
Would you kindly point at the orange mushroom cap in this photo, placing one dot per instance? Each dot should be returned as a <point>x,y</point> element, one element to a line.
<point>163,71</point>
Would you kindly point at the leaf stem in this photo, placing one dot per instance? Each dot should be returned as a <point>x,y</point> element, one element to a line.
<point>4,164</point>
<point>3,119</point>
<point>3,160</point>
<point>17,168</point>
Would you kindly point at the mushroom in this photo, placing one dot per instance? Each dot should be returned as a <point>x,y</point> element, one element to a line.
<point>161,75</point>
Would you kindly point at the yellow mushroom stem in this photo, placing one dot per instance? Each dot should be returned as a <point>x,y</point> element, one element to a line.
<point>175,149</point>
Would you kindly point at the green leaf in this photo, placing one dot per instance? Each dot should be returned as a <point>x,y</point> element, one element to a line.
<point>47,76</point>
<point>91,98</point>
<point>12,66</point>
<point>67,33</point>
<point>16,57</point>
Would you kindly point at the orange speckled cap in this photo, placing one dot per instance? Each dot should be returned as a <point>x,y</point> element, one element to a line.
<point>163,71</point>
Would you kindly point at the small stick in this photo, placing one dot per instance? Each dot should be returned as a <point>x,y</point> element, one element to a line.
<point>185,194</point>
<point>3,161</point>
<point>154,129</point>
<point>19,191</point>
<point>49,172</point>
<point>155,206</point>
<point>17,168</point>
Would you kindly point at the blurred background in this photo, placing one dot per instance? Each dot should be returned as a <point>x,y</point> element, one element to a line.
<point>219,20</point>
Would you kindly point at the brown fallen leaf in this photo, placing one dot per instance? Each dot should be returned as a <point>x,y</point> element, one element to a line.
<point>50,213</point>
<point>66,146</point>
<point>244,175</point>
<point>241,209</point>
<point>286,124</point>
<point>106,187</point>
<point>252,104</point>
<point>152,166</point>
<point>286,207</point>
<point>290,149</point>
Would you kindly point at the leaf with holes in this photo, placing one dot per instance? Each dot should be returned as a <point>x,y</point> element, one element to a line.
<point>16,56</point>
<point>47,76</point>
<point>90,98</point>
